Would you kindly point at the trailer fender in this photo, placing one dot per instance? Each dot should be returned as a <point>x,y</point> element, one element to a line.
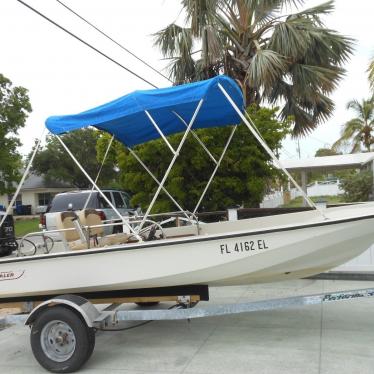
<point>83,307</point>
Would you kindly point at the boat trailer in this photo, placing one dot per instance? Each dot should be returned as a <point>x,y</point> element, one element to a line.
<point>63,328</point>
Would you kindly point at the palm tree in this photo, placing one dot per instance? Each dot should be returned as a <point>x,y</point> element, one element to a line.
<point>275,57</point>
<point>358,130</point>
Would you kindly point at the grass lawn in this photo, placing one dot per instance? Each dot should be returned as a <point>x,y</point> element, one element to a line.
<point>329,199</point>
<point>24,226</point>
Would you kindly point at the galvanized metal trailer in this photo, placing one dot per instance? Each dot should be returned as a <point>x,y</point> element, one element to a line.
<point>63,328</point>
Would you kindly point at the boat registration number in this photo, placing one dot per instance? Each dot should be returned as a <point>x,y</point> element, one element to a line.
<point>247,246</point>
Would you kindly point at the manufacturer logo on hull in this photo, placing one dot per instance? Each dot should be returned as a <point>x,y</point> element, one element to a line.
<point>11,275</point>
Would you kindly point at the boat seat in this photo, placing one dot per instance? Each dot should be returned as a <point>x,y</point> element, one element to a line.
<point>65,220</point>
<point>90,217</point>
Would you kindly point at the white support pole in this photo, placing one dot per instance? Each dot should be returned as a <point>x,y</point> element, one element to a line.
<point>98,189</point>
<point>268,150</point>
<point>215,169</point>
<point>372,170</point>
<point>99,172</point>
<point>197,138</point>
<point>26,172</point>
<point>159,131</point>
<point>172,163</point>
<point>304,185</point>
<point>158,182</point>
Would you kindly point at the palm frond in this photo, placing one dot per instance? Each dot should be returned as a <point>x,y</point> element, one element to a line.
<point>198,14</point>
<point>265,11</point>
<point>371,75</point>
<point>336,146</point>
<point>323,107</point>
<point>227,31</point>
<point>211,46</point>
<point>356,146</point>
<point>226,11</point>
<point>367,111</point>
<point>341,46</point>
<point>182,70</point>
<point>355,105</point>
<point>303,119</point>
<point>352,131</point>
<point>353,143</point>
<point>315,12</point>
<point>289,39</point>
<point>266,67</point>
<point>314,77</point>
<point>351,127</point>
<point>307,111</point>
<point>174,40</point>
<point>281,90</point>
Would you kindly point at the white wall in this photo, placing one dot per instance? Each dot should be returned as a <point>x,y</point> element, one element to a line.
<point>324,189</point>
<point>318,188</point>
<point>4,200</point>
<point>272,200</point>
<point>30,197</point>
<point>276,198</point>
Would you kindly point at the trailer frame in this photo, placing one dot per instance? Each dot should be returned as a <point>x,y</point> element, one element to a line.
<point>111,317</point>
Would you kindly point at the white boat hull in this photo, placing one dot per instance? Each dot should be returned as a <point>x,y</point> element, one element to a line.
<point>275,253</point>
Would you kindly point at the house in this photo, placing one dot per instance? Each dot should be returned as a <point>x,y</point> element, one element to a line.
<point>36,192</point>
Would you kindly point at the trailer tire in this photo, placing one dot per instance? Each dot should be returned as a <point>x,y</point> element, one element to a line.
<point>91,342</point>
<point>60,340</point>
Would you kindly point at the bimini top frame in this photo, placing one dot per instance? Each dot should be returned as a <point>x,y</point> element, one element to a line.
<point>145,115</point>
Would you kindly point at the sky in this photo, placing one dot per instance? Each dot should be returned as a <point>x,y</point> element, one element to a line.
<point>64,76</point>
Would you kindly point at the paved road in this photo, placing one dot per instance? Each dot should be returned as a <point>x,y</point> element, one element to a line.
<point>333,338</point>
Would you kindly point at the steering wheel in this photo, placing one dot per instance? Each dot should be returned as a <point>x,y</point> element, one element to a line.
<point>152,231</point>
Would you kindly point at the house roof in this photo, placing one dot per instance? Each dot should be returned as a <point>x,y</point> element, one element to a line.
<point>349,161</point>
<point>34,181</point>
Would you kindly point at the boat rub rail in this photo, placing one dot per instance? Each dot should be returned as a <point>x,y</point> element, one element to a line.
<point>182,241</point>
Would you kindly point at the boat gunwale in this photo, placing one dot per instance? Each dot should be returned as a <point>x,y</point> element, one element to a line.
<point>197,238</point>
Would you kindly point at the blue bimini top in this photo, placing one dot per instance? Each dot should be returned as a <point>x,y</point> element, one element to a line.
<point>125,118</point>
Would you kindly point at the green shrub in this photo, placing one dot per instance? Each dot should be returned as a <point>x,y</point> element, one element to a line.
<point>358,187</point>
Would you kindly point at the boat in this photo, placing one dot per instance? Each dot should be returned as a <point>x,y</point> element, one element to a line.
<point>148,256</point>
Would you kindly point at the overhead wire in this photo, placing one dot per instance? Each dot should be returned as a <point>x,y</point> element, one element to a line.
<point>112,40</point>
<point>86,43</point>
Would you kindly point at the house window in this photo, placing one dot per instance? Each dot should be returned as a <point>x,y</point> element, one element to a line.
<point>44,198</point>
<point>18,199</point>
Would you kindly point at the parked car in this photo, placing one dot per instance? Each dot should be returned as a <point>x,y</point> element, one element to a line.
<point>75,200</point>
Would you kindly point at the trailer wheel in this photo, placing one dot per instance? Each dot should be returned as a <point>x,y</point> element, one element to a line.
<point>91,342</point>
<point>61,341</point>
